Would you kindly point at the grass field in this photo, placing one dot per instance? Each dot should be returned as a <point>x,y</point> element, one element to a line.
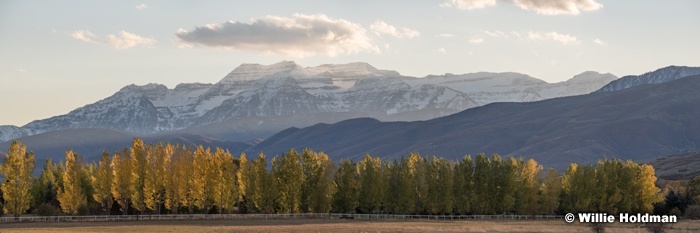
<point>327,225</point>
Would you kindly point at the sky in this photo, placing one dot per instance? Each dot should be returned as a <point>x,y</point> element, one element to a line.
<point>56,56</point>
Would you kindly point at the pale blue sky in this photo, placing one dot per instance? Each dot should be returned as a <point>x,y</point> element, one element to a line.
<point>56,56</point>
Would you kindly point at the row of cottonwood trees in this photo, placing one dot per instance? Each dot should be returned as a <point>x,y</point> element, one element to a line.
<point>157,178</point>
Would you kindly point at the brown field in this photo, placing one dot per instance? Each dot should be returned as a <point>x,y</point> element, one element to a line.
<point>328,225</point>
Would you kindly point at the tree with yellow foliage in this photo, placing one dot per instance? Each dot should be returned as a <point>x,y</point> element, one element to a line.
<point>17,169</point>
<point>121,180</point>
<point>203,177</point>
<point>224,180</point>
<point>102,183</point>
<point>71,196</point>
<point>287,179</point>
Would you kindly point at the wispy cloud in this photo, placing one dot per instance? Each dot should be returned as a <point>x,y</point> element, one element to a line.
<point>476,40</point>
<point>300,35</point>
<point>469,4</point>
<point>599,41</point>
<point>141,6</point>
<point>85,35</point>
<point>444,35</point>
<point>22,70</point>
<point>497,34</point>
<point>124,40</point>
<point>442,50</point>
<point>558,7</point>
<point>380,27</point>
<point>127,40</point>
<point>552,36</point>
<point>544,7</point>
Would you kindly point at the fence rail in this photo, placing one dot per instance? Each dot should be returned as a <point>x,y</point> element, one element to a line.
<point>112,218</point>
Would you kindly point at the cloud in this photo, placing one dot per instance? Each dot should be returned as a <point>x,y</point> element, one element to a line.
<point>544,7</point>
<point>380,27</point>
<point>476,40</point>
<point>468,4</point>
<point>22,70</point>
<point>300,35</point>
<point>124,40</point>
<point>558,7</point>
<point>442,50</point>
<point>552,36</point>
<point>85,35</point>
<point>444,35</point>
<point>498,34</point>
<point>127,40</point>
<point>141,6</point>
<point>600,42</point>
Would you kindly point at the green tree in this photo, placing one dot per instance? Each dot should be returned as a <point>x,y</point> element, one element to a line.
<point>245,187</point>
<point>262,194</point>
<point>392,195</point>
<point>444,185</point>
<point>550,189</point>
<point>17,169</point>
<point>317,189</point>
<point>694,189</point>
<point>483,190</point>
<point>45,189</point>
<point>288,177</point>
<point>464,186</point>
<point>579,189</point>
<point>371,182</point>
<point>346,180</point>
<point>71,196</point>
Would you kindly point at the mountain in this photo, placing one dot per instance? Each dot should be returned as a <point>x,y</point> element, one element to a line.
<point>678,167</point>
<point>636,123</point>
<point>9,132</point>
<point>282,93</point>
<point>90,143</point>
<point>658,76</point>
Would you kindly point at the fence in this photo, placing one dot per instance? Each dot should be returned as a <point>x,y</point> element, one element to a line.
<point>112,218</point>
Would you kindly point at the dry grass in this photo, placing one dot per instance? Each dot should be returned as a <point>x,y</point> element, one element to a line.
<point>326,225</point>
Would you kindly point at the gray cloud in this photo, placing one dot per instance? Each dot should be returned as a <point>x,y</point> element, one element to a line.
<point>300,35</point>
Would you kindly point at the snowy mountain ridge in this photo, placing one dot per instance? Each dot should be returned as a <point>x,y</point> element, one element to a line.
<point>662,75</point>
<point>285,89</point>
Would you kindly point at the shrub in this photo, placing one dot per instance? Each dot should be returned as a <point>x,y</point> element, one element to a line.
<point>693,212</point>
<point>656,227</point>
<point>676,211</point>
<point>598,227</point>
<point>83,210</point>
<point>46,209</point>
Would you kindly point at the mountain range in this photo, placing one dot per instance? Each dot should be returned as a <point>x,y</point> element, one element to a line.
<point>279,95</point>
<point>391,115</point>
<point>637,123</point>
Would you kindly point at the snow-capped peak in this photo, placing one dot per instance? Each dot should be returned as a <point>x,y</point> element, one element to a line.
<point>250,72</point>
<point>285,89</point>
